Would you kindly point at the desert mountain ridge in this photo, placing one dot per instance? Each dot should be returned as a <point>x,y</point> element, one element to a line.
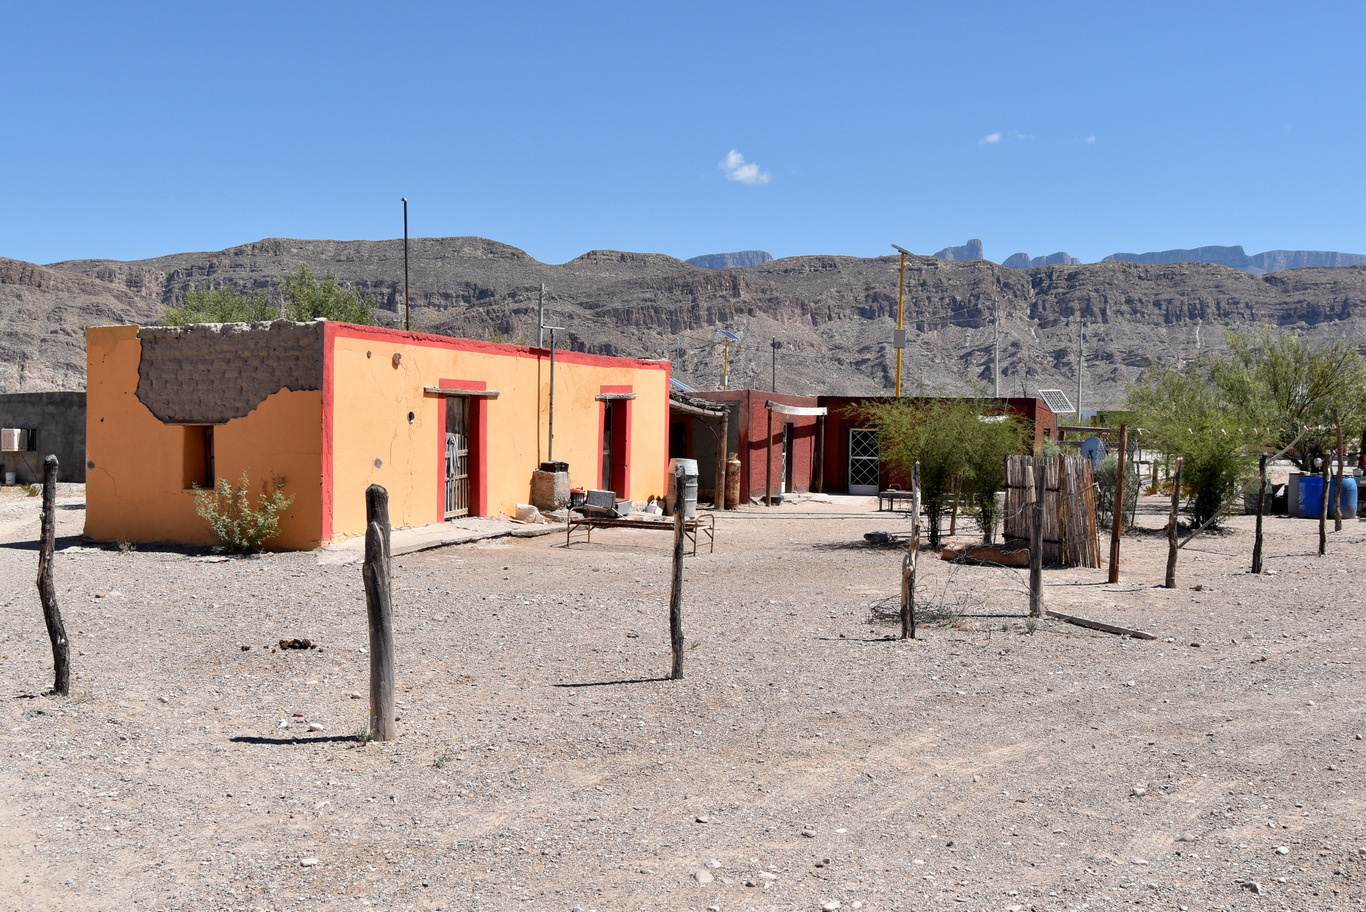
<point>829,320</point>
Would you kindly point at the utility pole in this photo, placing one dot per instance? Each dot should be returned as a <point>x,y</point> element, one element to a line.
<point>405,263</point>
<point>899,338</point>
<point>996,359</point>
<point>725,365</point>
<point>1081,358</point>
<point>540,318</point>
<point>773,379</point>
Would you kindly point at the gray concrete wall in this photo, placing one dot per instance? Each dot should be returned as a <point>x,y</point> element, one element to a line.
<point>59,419</point>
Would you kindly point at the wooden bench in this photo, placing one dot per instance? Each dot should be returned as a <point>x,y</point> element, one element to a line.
<point>704,523</point>
<point>890,498</point>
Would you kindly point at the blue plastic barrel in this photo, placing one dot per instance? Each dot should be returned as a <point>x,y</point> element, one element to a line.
<point>1311,496</point>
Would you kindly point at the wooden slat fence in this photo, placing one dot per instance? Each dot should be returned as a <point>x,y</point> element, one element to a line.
<point>1069,524</point>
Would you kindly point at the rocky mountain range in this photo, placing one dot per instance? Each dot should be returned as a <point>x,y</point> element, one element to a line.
<point>833,316</point>
<point>739,259</point>
<point>1257,264</point>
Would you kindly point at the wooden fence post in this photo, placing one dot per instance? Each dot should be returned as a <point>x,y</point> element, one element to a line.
<point>953,515</point>
<point>768,466</point>
<point>676,590</point>
<point>1342,458</point>
<point>722,448</point>
<point>909,561</point>
<point>379,609</point>
<point>1117,527</point>
<point>56,631</point>
<point>1170,582</point>
<point>1323,507</point>
<point>1036,538</point>
<point>1261,500</point>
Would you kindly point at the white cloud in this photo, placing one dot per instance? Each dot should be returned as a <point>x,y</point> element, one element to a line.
<point>737,169</point>
<point>989,138</point>
<point>1091,139</point>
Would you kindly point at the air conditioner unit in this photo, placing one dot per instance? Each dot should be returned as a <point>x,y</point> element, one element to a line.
<point>14,440</point>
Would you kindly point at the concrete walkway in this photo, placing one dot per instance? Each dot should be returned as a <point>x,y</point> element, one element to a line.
<point>438,535</point>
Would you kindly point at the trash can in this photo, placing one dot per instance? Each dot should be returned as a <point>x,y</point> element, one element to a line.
<point>689,487</point>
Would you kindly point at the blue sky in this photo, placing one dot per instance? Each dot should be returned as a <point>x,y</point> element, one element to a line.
<point>142,129</point>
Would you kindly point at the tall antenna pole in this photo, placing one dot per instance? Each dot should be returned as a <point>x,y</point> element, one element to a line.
<point>725,365</point>
<point>540,319</point>
<point>1081,358</point>
<point>405,263</point>
<point>773,381</point>
<point>996,360</point>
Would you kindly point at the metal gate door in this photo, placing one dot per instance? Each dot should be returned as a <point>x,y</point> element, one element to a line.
<point>864,465</point>
<point>457,457</point>
<point>787,459</point>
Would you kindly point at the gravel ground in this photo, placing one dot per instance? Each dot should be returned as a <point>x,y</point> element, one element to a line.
<point>806,758</point>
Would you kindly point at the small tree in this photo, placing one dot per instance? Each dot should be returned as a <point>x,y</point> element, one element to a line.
<point>308,297</point>
<point>1188,415</point>
<point>968,438</point>
<point>234,520</point>
<point>218,305</point>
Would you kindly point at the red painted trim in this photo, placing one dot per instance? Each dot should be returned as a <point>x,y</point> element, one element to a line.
<point>621,437</point>
<point>452,343</point>
<point>479,498</point>
<point>329,397</point>
<point>603,406</point>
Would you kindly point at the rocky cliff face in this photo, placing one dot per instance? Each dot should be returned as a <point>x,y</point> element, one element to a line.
<point>738,260</point>
<point>972,250</point>
<point>834,315</point>
<point>1022,260</point>
<point>1257,264</point>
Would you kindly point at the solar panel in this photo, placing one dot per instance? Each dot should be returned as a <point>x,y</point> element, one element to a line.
<point>1057,401</point>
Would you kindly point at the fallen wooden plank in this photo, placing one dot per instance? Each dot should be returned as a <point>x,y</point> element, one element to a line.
<point>987,555</point>
<point>1098,625</point>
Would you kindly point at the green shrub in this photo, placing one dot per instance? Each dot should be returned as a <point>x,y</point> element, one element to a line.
<point>234,521</point>
<point>219,305</point>
<point>1106,474</point>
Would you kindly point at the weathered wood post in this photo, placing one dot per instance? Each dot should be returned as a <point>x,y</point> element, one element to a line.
<point>676,590</point>
<point>56,631</point>
<point>909,561</point>
<point>1323,507</point>
<point>722,448</point>
<point>953,514</point>
<point>1117,527</point>
<point>1261,501</point>
<point>1342,459</point>
<point>1170,582</point>
<point>818,481</point>
<point>768,466</point>
<point>379,608</point>
<point>1036,538</point>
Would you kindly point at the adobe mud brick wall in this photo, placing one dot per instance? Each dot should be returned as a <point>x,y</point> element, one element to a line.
<point>59,419</point>
<point>212,373</point>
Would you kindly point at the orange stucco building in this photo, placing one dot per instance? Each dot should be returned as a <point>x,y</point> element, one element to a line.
<point>448,426</point>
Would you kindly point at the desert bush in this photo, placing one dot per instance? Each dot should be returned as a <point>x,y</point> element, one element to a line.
<point>1106,478</point>
<point>237,523</point>
<point>218,305</point>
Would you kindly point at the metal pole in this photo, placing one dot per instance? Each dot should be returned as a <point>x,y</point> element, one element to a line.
<point>405,263</point>
<point>900,312</point>
<point>540,319</point>
<point>1081,359</point>
<point>996,358</point>
<point>725,365</point>
<point>773,381</point>
<point>550,444</point>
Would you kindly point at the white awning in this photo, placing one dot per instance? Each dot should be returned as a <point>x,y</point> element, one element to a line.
<point>794,409</point>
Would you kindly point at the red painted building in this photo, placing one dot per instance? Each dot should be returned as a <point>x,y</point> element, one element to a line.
<point>792,463</point>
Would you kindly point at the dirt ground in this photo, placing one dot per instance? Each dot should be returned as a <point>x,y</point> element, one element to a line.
<point>806,759</point>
